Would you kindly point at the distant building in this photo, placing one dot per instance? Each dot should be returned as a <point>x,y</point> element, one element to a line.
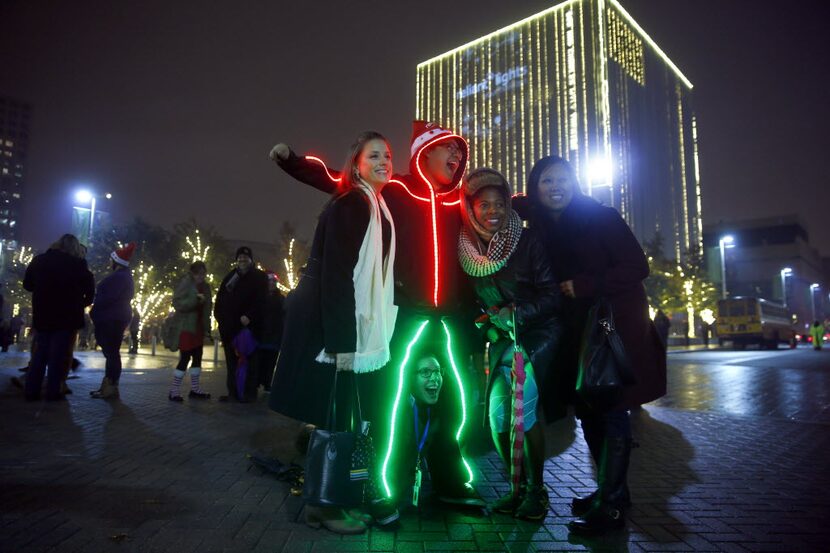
<point>762,249</point>
<point>582,80</point>
<point>15,120</point>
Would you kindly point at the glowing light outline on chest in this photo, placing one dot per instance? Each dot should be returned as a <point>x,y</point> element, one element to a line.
<point>435,250</point>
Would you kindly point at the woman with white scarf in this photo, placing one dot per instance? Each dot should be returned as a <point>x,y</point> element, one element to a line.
<point>341,315</point>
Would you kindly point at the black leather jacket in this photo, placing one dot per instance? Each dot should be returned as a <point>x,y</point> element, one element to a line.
<point>526,281</point>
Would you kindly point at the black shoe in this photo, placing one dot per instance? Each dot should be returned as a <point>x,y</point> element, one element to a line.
<point>535,504</point>
<point>198,395</point>
<point>580,505</point>
<point>507,503</point>
<point>599,519</point>
<point>383,511</point>
<point>465,496</point>
<point>177,399</point>
<point>225,399</point>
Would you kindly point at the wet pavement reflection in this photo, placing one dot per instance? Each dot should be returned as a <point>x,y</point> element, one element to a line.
<point>791,384</point>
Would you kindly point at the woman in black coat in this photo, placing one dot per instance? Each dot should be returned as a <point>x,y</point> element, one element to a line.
<point>595,253</point>
<point>513,280</point>
<point>342,305</point>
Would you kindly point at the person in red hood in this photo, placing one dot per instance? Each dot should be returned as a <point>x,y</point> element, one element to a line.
<point>430,290</point>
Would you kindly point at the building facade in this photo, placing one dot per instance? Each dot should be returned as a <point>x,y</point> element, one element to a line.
<point>756,263</point>
<point>14,144</point>
<point>584,81</point>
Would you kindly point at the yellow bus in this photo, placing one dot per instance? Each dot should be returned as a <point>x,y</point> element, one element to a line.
<point>746,320</point>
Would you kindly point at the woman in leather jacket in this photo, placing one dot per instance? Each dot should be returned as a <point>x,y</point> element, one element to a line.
<point>514,283</point>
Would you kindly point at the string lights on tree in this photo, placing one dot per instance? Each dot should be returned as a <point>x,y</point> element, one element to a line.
<point>290,275</point>
<point>150,296</point>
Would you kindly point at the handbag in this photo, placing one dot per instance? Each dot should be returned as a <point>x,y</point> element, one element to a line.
<point>604,368</point>
<point>338,463</point>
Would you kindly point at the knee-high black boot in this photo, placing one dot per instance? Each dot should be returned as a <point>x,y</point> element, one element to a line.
<point>608,509</point>
<point>593,433</point>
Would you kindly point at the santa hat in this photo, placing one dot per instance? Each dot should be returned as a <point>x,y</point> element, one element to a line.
<point>123,255</point>
<point>424,133</point>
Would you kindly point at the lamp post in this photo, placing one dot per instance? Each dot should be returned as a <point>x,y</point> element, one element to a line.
<point>724,242</point>
<point>85,196</point>
<point>785,272</point>
<point>813,287</point>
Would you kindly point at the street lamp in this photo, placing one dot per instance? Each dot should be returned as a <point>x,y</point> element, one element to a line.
<point>785,272</point>
<point>813,287</point>
<point>85,196</point>
<point>724,242</point>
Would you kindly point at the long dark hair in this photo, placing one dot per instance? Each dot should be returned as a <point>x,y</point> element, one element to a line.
<point>349,174</point>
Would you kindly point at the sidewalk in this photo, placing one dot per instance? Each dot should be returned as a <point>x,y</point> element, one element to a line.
<point>143,474</point>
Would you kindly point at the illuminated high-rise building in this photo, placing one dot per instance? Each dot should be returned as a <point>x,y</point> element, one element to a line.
<point>582,80</point>
<point>14,144</point>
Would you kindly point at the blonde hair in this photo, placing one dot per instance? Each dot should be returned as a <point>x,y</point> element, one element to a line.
<point>68,244</point>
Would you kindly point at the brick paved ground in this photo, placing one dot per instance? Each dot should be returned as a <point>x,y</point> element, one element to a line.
<point>145,474</point>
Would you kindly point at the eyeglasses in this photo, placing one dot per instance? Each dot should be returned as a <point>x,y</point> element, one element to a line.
<point>452,148</point>
<point>429,374</point>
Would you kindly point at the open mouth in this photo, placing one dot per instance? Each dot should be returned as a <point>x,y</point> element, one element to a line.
<point>494,222</point>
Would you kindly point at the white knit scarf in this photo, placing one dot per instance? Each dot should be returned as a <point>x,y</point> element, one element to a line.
<point>374,287</point>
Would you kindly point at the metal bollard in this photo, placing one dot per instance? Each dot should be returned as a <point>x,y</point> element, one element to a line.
<point>153,345</point>
<point>215,351</point>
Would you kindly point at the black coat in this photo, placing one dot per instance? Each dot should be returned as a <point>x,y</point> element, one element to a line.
<point>246,297</point>
<point>61,287</point>
<point>272,320</point>
<point>321,312</point>
<point>592,245</point>
<point>528,282</point>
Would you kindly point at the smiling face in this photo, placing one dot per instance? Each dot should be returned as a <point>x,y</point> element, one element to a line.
<point>374,165</point>
<point>490,209</point>
<point>243,263</point>
<point>556,188</point>
<point>429,377</point>
<point>442,160</point>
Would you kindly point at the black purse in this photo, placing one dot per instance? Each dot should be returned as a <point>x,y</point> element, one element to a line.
<point>338,463</point>
<point>604,368</point>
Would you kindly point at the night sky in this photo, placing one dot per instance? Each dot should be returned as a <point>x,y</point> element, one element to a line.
<point>173,106</point>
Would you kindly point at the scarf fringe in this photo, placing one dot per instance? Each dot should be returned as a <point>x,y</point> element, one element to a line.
<point>363,363</point>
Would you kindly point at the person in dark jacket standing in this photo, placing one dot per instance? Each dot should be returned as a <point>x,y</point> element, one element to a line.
<point>61,286</point>
<point>239,303</point>
<point>271,336</point>
<point>595,254</point>
<point>111,313</point>
<point>514,282</point>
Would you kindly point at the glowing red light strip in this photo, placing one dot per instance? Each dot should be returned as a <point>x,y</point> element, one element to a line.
<point>320,161</point>
<point>435,250</point>
<point>456,202</point>
<point>408,191</point>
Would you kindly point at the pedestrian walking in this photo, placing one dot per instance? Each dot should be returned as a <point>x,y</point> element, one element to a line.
<point>595,253</point>
<point>268,348</point>
<point>239,304</point>
<point>515,285</point>
<point>341,315</point>
<point>61,286</point>
<point>192,302</point>
<point>135,324</point>
<point>662,323</point>
<point>817,334</point>
<point>111,314</point>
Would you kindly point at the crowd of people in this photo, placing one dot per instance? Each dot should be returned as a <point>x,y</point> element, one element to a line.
<point>410,279</point>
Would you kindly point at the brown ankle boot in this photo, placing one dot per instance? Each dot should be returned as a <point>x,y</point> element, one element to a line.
<point>332,519</point>
<point>108,390</point>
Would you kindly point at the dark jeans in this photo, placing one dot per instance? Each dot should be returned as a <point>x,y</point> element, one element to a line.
<point>186,356</point>
<point>134,341</point>
<point>266,362</point>
<point>50,351</point>
<point>109,335</point>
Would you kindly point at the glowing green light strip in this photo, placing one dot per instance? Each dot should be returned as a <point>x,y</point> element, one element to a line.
<point>463,401</point>
<point>395,406</point>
